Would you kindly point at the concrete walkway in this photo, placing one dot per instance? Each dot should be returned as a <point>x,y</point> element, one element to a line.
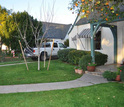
<point>85,80</point>
<point>14,64</point>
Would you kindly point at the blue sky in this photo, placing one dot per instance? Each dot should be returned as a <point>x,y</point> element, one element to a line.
<point>61,11</point>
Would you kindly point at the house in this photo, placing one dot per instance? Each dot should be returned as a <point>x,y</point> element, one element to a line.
<point>56,31</point>
<point>109,38</point>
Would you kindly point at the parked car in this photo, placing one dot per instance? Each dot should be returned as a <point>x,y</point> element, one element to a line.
<point>33,52</point>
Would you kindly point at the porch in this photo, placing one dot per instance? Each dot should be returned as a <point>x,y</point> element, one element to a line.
<point>100,69</point>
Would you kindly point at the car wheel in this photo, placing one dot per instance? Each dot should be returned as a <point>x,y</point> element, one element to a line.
<point>42,57</point>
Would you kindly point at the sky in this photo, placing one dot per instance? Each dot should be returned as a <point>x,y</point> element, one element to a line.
<point>61,12</point>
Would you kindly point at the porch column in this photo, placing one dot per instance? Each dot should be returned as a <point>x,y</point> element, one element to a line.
<point>93,32</point>
<point>92,43</point>
<point>114,32</point>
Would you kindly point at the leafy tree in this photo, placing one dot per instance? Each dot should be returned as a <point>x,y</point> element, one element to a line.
<point>20,21</point>
<point>4,29</point>
<point>95,10</point>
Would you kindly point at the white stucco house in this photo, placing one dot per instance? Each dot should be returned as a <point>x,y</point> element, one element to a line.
<point>104,41</point>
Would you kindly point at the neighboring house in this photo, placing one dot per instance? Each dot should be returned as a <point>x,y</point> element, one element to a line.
<point>56,31</point>
<point>2,46</point>
<point>108,39</point>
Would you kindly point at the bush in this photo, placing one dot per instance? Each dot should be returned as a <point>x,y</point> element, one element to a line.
<point>109,75</point>
<point>66,42</point>
<point>100,59</point>
<point>75,55</point>
<point>83,62</point>
<point>63,54</point>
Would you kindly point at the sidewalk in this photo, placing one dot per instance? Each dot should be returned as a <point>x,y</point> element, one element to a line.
<point>85,80</point>
<point>14,64</point>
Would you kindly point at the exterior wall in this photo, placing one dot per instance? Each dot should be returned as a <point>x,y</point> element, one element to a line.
<point>107,44</point>
<point>107,41</point>
<point>76,30</point>
<point>120,33</point>
<point>71,35</point>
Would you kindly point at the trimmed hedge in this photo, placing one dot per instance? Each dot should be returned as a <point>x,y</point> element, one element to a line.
<point>63,54</point>
<point>75,55</point>
<point>100,59</point>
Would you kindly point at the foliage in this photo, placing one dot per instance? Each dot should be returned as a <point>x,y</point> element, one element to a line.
<point>109,75</point>
<point>76,67</point>
<point>75,55</point>
<point>63,54</point>
<point>92,64</point>
<point>83,62</point>
<point>95,10</point>
<point>66,42</point>
<point>9,32</point>
<point>22,20</point>
<point>5,25</point>
<point>100,58</point>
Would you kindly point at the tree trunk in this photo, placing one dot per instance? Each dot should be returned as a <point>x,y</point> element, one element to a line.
<point>38,58</point>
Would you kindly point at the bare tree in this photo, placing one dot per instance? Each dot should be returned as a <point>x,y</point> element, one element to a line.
<point>46,14</point>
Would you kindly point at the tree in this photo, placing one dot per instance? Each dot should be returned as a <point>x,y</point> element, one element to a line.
<point>47,14</point>
<point>4,29</point>
<point>95,10</point>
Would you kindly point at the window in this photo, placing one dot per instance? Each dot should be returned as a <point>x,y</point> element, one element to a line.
<point>62,45</point>
<point>46,45</point>
<point>55,45</point>
<point>97,41</point>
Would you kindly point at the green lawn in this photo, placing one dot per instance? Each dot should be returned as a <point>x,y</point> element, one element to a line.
<point>18,74</point>
<point>102,95</point>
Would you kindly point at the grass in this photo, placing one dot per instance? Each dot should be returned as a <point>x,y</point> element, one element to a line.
<point>17,74</point>
<point>102,95</point>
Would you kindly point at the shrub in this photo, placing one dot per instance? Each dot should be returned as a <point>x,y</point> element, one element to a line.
<point>63,54</point>
<point>66,42</point>
<point>109,75</point>
<point>84,61</point>
<point>100,59</point>
<point>75,55</point>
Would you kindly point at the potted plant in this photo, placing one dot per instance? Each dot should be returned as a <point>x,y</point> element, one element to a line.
<point>118,77</point>
<point>91,66</point>
<point>110,76</point>
<point>76,69</point>
<point>80,70</point>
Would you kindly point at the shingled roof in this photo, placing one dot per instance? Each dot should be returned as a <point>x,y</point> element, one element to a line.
<point>55,31</point>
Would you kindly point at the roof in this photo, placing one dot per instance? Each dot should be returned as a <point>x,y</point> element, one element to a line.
<point>82,21</point>
<point>55,30</point>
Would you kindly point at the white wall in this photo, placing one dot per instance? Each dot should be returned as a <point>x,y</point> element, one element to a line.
<point>76,30</point>
<point>107,44</point>
<point>120,33</point>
